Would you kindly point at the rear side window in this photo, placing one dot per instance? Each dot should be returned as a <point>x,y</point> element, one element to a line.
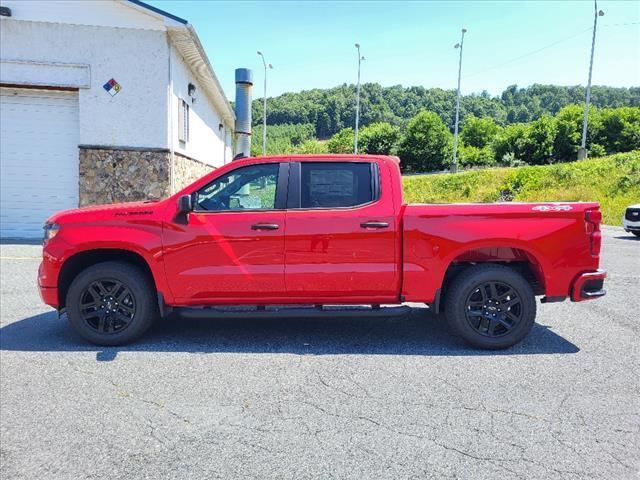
<point>330,185</point>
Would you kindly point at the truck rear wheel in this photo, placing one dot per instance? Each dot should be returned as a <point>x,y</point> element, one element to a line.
<point>491,306</point>
<point>111,303</point>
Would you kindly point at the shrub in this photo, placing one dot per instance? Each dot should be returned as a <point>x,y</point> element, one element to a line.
<point>509,143</point>
<point>619,130</point>
<point>426,144</point>
<point>470,156</point>
<point>311,146</point>
<point>342,142</point>
<point>568,132</point>
<point>478,132</point>
<point>281,138</point>
<point>538,142</point>
<point>381,138</point>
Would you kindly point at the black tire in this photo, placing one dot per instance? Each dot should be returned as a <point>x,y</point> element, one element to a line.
<point>94,290</point>
<point>490,320</point>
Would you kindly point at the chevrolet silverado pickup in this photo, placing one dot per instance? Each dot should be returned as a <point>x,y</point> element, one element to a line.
<point>275,235</point>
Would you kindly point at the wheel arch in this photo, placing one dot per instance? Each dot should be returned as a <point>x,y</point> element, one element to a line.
<point>80,261</point>
<point>520,259</point>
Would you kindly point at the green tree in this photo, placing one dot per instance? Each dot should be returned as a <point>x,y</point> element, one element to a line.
<point>381,138</point>
<point>281,138</point>
<point>297,119</point>
<point>470,156</point>
<point>619,129</point>
<point>330,110</point>
<point>478,132</point>
<point>342,142</point>
<point>312,146</point>
<point>568,132</point>
<point>538,144</point>
<point>426,144</point>
<point>569,121</point>
<point>509,144</point>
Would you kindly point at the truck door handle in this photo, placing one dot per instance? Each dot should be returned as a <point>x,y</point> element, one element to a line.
<point>265,226</point>
<point>374,225</point>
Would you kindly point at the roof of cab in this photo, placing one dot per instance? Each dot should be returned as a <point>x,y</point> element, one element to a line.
<point>320,157</point>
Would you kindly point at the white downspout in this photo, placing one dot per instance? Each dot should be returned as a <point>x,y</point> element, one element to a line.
<point>224,144</point>
<point>171,147</point>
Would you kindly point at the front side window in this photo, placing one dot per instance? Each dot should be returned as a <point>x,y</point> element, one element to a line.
<point>330,185</point>
<point>246,188</point>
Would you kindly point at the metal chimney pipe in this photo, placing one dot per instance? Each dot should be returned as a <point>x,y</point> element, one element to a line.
<point>244,86</point>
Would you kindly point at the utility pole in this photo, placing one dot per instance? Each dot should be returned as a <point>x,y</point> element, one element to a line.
<point>454,165</point>
<point>355,141</point>
<point>264,105</point>
<point>582,152</point>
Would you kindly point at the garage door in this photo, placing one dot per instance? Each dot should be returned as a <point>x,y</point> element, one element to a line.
<point>38,158</point>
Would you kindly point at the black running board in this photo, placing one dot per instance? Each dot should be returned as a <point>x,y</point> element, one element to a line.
<point>292,312</point>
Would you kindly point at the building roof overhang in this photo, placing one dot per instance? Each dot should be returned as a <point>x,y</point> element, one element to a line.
<point>187,43</point>
<point>185,38</point>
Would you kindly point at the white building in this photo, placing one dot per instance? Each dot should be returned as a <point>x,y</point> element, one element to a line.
<point>101,101</point>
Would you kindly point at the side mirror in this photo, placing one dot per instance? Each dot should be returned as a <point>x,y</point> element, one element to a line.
<point>185,204</point>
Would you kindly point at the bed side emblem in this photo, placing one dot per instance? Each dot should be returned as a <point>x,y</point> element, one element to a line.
<point>552,208</point>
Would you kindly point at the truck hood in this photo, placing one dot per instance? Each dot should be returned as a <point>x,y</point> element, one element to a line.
<point>106,212</point>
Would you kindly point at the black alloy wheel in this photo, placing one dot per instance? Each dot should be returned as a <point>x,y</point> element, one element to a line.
<point>493,309</point>
<point>112,303</point>
<point>490,306</point>
<point>107,306</point>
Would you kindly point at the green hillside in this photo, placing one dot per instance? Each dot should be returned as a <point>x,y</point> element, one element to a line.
<point>330,110</point>
<point>614,181</point>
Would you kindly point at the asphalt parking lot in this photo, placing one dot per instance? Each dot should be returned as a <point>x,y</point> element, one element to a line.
<point>340,398</point>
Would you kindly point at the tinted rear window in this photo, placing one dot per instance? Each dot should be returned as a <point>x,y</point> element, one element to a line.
<point>327,185</point>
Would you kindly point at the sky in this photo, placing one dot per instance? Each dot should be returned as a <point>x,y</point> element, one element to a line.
<point>311,44</point>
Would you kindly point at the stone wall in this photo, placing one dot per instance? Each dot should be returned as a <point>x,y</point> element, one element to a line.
<point>123,175</point>
<point>187,170</point>
<point>112,175</point>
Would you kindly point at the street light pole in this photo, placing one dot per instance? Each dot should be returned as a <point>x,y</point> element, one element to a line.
<point>355,141</point>
<point>264,105</point>
<point>454,165</point>
<point>582,152</point>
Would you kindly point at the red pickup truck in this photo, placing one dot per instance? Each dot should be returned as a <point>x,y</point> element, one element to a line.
<point>273,233</point>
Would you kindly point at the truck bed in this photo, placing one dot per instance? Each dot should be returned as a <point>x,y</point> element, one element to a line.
<point>552,238</point>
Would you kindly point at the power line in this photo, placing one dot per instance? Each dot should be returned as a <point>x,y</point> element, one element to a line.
<point>620,24</point>
<point>529,53</point>
<point>547,46</point>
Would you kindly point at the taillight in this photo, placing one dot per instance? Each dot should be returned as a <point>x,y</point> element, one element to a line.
<point>596,243</point>
<point>593,216</point>
<point>593,219</point>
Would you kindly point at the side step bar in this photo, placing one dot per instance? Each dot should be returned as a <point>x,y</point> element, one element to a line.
<point>292,312</point>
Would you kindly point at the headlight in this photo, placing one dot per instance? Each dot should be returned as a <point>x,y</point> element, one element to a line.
<point>50,231</point>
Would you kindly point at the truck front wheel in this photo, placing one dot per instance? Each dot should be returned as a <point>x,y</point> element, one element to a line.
<point>111,303</point>
<point>490,306</point>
